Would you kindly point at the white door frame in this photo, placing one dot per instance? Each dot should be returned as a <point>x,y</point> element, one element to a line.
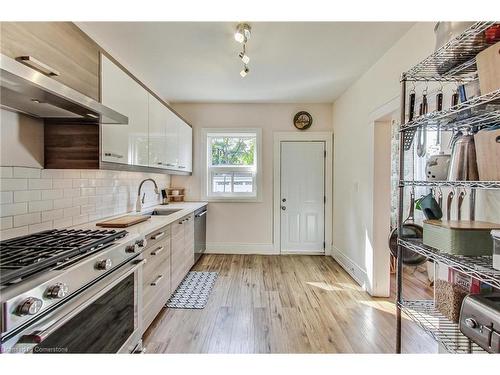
<point>279,137</point>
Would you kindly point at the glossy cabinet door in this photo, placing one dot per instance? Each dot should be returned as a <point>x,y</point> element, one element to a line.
<point>158,119</point>
<point>172,141</point>
<point>124,144</point>
<point>185,147</point>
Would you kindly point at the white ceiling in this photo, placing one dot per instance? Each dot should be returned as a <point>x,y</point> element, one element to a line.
<point>308,62</point>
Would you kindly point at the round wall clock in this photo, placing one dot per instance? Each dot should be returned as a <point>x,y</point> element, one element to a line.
<point>302,120</point>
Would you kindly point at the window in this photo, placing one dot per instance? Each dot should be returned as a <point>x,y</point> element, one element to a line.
<point>232,164</point>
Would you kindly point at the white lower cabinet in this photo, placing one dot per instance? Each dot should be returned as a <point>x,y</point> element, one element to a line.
<point>169,257</point>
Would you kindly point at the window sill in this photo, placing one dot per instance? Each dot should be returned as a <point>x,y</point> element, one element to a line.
<point>232,200</point>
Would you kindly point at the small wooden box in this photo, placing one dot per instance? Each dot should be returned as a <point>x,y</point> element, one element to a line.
<point>488,67</point>
<point>175,194</point>
<point>459,237</point>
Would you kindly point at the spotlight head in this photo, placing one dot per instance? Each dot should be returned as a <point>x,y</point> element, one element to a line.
<point>242,33</point>
<point>244,57</point>
<point>244,72</point>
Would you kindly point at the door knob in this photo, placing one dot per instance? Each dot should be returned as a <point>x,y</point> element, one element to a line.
<point>283,200</point>
<point>283,208</point>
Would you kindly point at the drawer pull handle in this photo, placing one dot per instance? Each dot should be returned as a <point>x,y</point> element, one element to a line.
<point>158,235</point>
<point>157,251</point>
<point>38,65</point>
<point>182,167</point>
<point>155,283</point>
<point>113,155</point>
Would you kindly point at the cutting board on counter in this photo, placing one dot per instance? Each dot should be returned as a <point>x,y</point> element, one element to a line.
<point>123,221</point>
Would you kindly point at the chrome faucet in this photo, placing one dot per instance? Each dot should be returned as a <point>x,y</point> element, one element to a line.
<point>140,201</point>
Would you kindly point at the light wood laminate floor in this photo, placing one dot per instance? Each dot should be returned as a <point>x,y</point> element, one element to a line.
<point>285,304</point>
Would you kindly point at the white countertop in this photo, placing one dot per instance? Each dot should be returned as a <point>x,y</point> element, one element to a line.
<point>155,222</point>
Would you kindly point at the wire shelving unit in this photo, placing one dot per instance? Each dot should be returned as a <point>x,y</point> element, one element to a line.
<point>481,111</point>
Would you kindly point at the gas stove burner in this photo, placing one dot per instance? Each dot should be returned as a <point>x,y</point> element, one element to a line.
<point>24,256</point>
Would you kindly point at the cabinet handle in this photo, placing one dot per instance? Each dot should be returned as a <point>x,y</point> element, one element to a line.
<point>182,167</point>
<point>38,65</point>
<point>159,163</point>
<point>157,235</point>
<point>202,214</point>
<point>113,155</point>
<point>155,283</point>
<point>170,165</point>
<point>157,251</point>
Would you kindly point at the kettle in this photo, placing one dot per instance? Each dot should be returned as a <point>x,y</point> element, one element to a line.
<point>463,164</point>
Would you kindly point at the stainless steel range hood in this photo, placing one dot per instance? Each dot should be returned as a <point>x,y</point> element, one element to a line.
<point>28,91</point>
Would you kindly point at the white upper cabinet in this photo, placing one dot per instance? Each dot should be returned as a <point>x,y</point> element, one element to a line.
<point>124,144</point>
<point>158,118</point>
<point>154,137</point>
<point>185,146</point>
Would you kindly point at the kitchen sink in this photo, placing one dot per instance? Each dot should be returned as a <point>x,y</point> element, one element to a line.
<point>163,212</point>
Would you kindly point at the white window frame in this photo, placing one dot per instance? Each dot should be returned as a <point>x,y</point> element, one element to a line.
<point>206,169</point>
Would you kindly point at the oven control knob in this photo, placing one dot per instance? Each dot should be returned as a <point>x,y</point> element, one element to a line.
<point>30,306</point>
<point>104,264</point>
<point>58,290</point>
<point>471,323</point>
<point>132,248</point>
<point>141,243</point>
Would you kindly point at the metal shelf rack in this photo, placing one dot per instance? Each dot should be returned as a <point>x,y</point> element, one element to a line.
<point>444,331</point>
<point>486,185</point>
<point>454,62</point>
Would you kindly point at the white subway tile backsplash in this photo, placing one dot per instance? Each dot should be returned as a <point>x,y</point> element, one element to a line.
<point>81,219</point>
<point>6,222</point>
<point>13,184</point>
<point>63,203</point>
<point>52,173</point>
<point>52,194</point>
<point>24,172</point>
<point>40,227</point>
<point>12,209</point>
<point>40,184</point>
<point>59,183</point>
<point>73,192</point>
<point>72,173</point>
<point>14,232</point>
<point>6,172</point>
<point>6,197</point>
<point>52,215</point>
<point>63,223</point>
<point>38,206</point>
<point>27,195</point>
<point>85,192</point>
<point>27,219</point>
<point>33,200</point>
<point>71,211</point>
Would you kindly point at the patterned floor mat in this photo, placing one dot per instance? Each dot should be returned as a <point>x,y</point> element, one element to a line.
<point>193,291</point>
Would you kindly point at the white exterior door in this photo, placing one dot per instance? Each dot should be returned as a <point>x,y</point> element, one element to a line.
<point>302,198</point>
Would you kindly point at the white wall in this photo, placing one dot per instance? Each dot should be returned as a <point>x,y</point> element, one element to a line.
<point>353,152</point>
<point>245,227</point>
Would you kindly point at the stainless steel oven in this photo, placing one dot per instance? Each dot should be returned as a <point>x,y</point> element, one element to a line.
<point>103,318</point>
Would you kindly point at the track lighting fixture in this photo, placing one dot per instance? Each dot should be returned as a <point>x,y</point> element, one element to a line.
<point>242,34</point>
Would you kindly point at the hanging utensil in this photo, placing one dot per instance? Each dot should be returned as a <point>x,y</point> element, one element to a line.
<point>411,105</point>
<point>461,197</point>
<point>472,205</point>
<point>439,108</point>
<point>448,204</point>
<point>421,132</point>
<point>439,197</point>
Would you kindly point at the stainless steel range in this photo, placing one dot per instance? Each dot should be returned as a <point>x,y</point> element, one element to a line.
<point>71,291</point>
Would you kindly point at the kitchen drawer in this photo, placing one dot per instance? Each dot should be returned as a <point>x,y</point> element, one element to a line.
<point>153,308</point>
<point>160,235</point>
<point>154,262</point>
<point>162,284</point>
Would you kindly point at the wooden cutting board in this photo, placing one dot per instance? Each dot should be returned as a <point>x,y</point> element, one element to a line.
<point>463,224</point>
<point>123,221</point>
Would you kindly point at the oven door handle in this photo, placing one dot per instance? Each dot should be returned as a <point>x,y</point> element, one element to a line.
<point>38,336</point>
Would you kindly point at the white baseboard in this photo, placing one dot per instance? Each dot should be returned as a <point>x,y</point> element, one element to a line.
<point>241,248</point>
<point>356,272</point>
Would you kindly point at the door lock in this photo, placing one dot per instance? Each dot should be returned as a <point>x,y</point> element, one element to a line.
<point>283,200</point>
<point>283,208</point>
